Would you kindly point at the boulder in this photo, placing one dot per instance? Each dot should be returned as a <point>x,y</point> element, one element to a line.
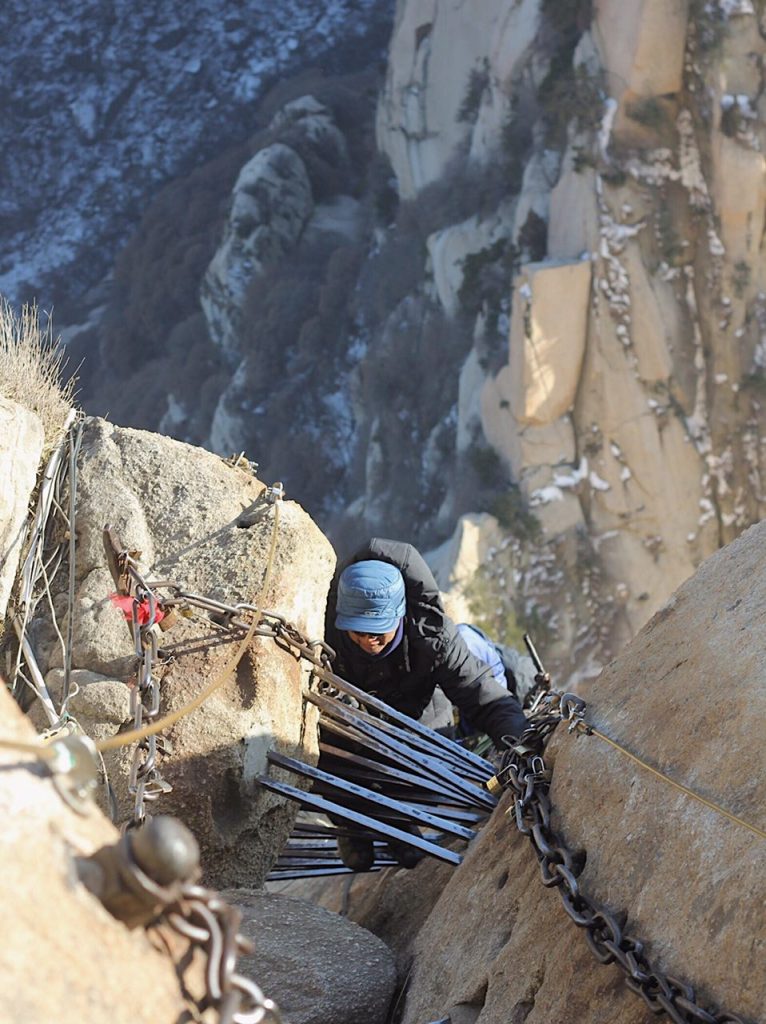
<point>226,428</point>
<point>65,958</point>
<point>271,203</point>
<point>739,198</point>
<point>272,206</point>
<point>182,509</point>
<point>690,879</point>
<point>392,904</point>
<point>455,562</point>
<point>646,478</point>
<point>21,446</point>
<point>341,216</point>
<point>319,967</point>
<point>449,249</point>
<point>535,195</point>
<point>573,215</point>
<point>511,47</point>
<point>523,447</point>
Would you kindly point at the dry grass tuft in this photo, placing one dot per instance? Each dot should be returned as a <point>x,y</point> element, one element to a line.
<point>32,367</point>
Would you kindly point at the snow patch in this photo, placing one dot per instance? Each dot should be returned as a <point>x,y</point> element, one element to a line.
<point>734,8</point>
<point>597,483</point>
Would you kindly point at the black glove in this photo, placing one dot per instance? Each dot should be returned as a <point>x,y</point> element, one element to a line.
<point>529,743</point>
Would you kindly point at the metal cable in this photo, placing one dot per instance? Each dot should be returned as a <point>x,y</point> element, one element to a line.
<point>589,730</point>
<point>526,776</point>
<point>75,441</point>
<point>34,567</point>
<point>39,750</point>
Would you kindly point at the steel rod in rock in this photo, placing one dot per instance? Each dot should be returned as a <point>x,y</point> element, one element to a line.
<point>415,742</point>
<point>420,776</point>
<point>365,725</point>
<point>389,774</point>
<point>372,824</point>
<point>466,769</point>
<point>288,876</point>
<point>405,810</point>
<point>402,719</point>
<point>424,762</point>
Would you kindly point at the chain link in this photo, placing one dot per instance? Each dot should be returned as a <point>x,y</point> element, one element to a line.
<point>525,775</point>
<point>145,782</point>
<point>148,608</point>
<point>206,919</point>
<point>201,915</point>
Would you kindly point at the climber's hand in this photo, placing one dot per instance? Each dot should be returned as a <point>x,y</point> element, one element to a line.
<point>529,743</point>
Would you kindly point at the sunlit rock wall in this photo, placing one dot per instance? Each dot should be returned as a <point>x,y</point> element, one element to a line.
<point>630,409</point>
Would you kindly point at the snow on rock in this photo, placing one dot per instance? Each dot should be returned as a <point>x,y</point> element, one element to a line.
<point>105,102</point>
<point>271,204</point>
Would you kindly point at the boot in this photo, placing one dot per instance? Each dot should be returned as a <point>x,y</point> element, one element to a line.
<point>406,856</point>
<point>356,852</point>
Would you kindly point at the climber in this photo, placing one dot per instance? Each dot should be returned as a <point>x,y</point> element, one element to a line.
<point>386,622</point>
<point>517,672</point>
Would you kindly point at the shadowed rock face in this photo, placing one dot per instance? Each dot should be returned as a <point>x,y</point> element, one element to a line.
<point>151,92</point>
<point>179,506</point>
<point>687,696</point>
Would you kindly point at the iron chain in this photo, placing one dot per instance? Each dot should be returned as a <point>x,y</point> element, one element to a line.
<point>206,919</point>
<point>146,783</point>
<point>201,915</point>
<point>525,775</point>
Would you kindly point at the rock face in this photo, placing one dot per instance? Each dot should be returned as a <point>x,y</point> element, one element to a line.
<point>626,410</point>
<point>117,104</point>
<point>21,446</point>
<point>629,411</point>
<point>498,946</point>
<point>68,960</point>
<point>434,51</point>
<point>318,967</point>
<point>270,205</point>
<point>645,51</point>
<point>180,507</point>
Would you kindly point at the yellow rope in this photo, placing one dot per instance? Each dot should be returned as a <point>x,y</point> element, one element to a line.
<point>136,735</point>
<point>40,750</point>
<point>588,729</point>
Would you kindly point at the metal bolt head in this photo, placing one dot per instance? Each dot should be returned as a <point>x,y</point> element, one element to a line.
<point>166,850</point>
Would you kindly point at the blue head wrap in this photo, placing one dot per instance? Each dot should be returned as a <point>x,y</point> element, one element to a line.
<point>370,597</point>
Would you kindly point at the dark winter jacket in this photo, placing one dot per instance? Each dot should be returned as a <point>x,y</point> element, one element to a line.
<point>432,653</point>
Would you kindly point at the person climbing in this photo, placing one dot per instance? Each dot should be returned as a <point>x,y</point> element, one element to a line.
<point>392,637</point>
<point>514,671</point>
